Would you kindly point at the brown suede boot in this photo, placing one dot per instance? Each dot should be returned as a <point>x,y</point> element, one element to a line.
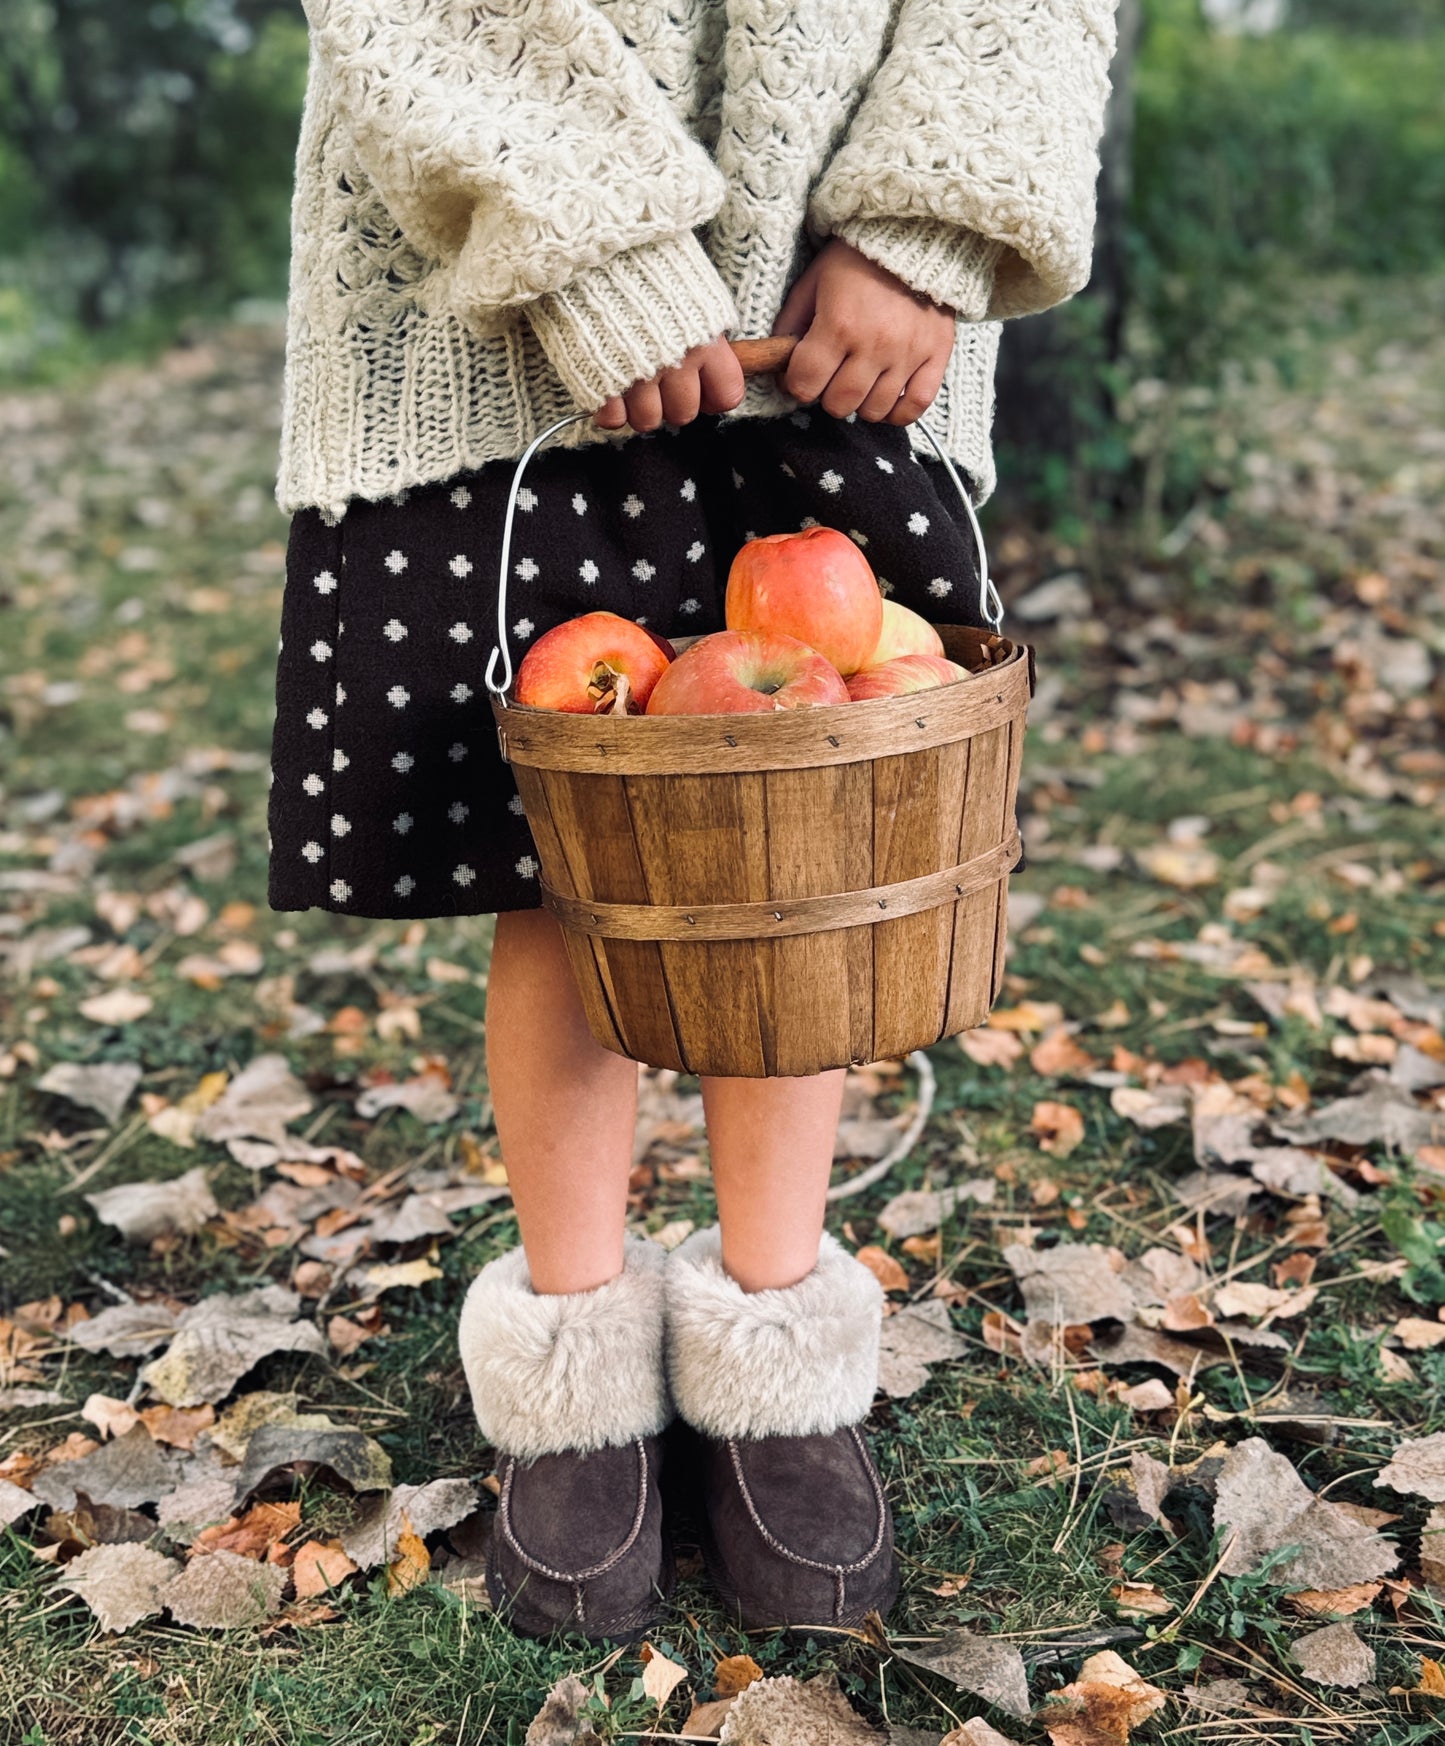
<point>571,1391</point>
<point>797,1527</point>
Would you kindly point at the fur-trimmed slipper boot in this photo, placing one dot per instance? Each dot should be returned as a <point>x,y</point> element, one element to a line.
<point>776,1384</point>
<point>571,1390</point>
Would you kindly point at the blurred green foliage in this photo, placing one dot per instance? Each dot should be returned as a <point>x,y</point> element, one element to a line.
<point>1309,151</point>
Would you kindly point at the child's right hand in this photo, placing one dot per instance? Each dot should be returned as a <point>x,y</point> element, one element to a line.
<point>709,379</point>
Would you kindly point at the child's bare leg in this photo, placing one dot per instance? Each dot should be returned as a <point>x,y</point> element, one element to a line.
<point>565,1109</point>
<point>772,1151</point>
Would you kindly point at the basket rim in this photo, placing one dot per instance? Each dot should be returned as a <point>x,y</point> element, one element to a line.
<point>827,734</point>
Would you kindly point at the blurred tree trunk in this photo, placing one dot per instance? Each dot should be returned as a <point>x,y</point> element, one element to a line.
<point>1035,402</point>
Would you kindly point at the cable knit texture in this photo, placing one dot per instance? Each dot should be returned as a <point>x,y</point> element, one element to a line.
<point>507,211</point>
<point>798,1361</point>
<point>577,1371</point>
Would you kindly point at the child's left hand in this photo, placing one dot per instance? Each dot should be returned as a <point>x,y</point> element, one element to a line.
<point>869,344</point>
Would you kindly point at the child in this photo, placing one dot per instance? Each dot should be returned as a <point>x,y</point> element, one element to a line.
<point>505,211</point>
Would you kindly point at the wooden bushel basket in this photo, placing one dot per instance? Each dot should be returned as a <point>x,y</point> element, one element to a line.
<point>774,895</point>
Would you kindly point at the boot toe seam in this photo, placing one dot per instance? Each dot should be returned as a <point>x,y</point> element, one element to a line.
<point>613,1558</point>
<point>832,1567</point>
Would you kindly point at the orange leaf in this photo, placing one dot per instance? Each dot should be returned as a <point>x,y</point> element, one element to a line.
<point>1058,1054</point>
<point>412,1562</point>
<point>251,1535</point>
<point>884,1268</point>
<point>734,1673</point>
<point>1325,1601</point>
<point>1058,1127</point>
<point>1432,1678</point>
<point>319,1565</point>
<point>991,1048</point>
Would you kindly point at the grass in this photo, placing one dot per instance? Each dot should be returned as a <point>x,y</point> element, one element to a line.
<point>144,587</point>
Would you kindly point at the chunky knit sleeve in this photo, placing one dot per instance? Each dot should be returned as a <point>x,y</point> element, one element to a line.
<point>969,168</point>
<point>523,146</point>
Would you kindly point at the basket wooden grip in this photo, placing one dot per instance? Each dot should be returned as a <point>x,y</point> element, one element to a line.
<point>764,357</point>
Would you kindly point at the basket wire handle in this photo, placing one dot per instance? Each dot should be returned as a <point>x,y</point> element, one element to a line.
<point>758,357</point>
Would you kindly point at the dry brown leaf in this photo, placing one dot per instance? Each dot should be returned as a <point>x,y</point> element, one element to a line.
<point>375,1533</point>
<point>1334,1656</point>
<point>660,1675</point>
<point>1072,1282</point>
<point>178,1426</point>
<point>559,1721</point>
<point>1432,1678</point>
<point>219,1339</point>
<point>975,1732</point>
<point>117,1006</point>
<point>121,1584</point>
<point>1058,1128</point>
<point>111,1417</point>
<point>986,1667</point>
<point>793,1712</point>
<point>356,1459</point>
<point>129,1470</point>
<point>1140,1600</point>
<point>253,1534</point>
<point>1028,1015</point>
<point>735,1673</point>
<point>1326,1602</point>
<point>1102,1705</point>
<point>1058,1056</point>
<point>991,1047</point>
<point>142,1210</point>
<point>426,1097</point>
<point>104,1086</point>
<point>1149,1396</point>
<point>1259,1495</point>
<point>884,1268</point>
<point>258,1104</point>
<point>219,1591</point>
<point>707,1719</point>
<point>1417,1467</point>
<point>912,1339</point>
<point>917,1210</point>
<point>1417,1335</point>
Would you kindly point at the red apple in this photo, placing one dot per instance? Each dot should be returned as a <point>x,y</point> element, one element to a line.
<point>598,664</point>
<point>904,633</point>
<point>902,674</point>
<point>740,672</point>
<point>814,585</point>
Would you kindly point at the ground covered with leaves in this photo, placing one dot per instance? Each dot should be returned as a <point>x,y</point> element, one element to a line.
<point>1163,1405</point>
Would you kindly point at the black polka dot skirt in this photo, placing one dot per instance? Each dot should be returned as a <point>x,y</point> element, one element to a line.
<point>389,797</point>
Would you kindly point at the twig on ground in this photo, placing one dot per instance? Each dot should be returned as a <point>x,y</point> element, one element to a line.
<point>927,1085</point>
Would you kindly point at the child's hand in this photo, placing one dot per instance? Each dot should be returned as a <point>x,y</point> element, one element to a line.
<point>869,344</point>
<point>709,379</point>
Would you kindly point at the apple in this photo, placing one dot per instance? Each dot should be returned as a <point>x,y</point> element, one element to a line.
<point>904,633</point>
<point>742,672</point>
<point>814,585</point>
<point>902,674</point>
<point>596,664</point>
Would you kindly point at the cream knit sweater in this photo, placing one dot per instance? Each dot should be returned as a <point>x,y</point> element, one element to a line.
<point>506,210</point>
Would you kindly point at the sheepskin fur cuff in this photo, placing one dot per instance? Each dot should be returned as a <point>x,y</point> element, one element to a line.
<point>574,1371</point>
<point>798,1361</point>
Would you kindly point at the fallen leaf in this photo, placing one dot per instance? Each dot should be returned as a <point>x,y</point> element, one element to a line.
<point>257,1104</point>
<point>121,1584</point>
<point>1334,1656</point>
<point>660,1676</point>
<point>15,1502</point>
<point>1149,1396</point>
<point>1071,1282</point>
<point>792,1712</point>
<point>1260,1496</point>
<point>117,1006</point>
<point>986,1667</point>
<point>1432,1678</point>
<point>975,1732</point>
<point>1383,1113</point>
<point>1323,1603</point>
<point>1154,1107</point>
<point>130,1470</point>
<point>253,1534</point>
<point>220,1591</point>
<point>917,1210</point>
<point>126,1330</point>
<point>1058,1128</point>
<point>1183,865</point>
<point>911,1340</point>
<point>111,1417</point>
<point>1416,1334</point>
<point>142,1210</point>
<point>1102,1705</point>
<point>1140,1600</point>
<point>1058,1056</point>
<point>1220,1697</point>
<point>411,1563</point>
<point>318,1566</point>
<point>706,1719</point>
<point>1417,1467</point>
<point>735,1673</point>
<point>222,1337</point>
<point>374,1534</point>
<point>389,1276</point>
<point>426,1098</point>
<point>104,1086</point>
<point>991,1047</point>
<point>559,1721</point>
<point>356,1459</point>
<point>889,1274</point>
